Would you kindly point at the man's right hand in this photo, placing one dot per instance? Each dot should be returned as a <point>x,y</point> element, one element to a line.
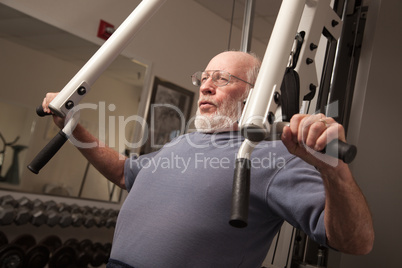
<point>45,106</point>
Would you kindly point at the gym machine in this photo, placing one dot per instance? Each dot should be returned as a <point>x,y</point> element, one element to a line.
<point>286,84</point>
<point>258,121</point>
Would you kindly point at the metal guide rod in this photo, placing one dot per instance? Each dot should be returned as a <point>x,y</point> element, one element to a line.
<point>80,84</point>
<point>247,31</point>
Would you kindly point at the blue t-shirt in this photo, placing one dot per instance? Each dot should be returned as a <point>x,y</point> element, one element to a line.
<point>178,207</point>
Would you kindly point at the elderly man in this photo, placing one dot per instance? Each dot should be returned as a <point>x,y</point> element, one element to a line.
<point>176,213</point>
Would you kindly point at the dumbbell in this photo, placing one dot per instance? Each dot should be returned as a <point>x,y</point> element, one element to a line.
<point>20,211</point>
<point>77,216</point>
<point>92,217</point>
<point>8,200</point>
<point>7,212</point>
<point>105,217</point>
<point>23,211</point>
<point>50,213</point>
<point>39,216</point>
<point>101,255</point>
<point>111,217</point>
<point>88,219</point>
<point>3,239</point>
<point>57,214</point>
<point>10,255</point>
<point>83,258</point>
<point>36,256</point>
<point>53,216</point>
<point>72,215</point>
<point>108,249</point>
<point>65,214</point>
<point>97,213</point>
<point>98,256</point>
<point>61,256</point>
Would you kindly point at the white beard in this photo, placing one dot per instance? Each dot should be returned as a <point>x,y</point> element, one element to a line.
<point>224,119</point>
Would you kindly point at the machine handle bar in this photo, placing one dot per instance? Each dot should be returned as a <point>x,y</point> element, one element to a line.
<point>47,152</point>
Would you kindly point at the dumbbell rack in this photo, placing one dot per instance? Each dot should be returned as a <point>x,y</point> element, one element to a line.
<point>72,223</point>
<point>37,212</point>
<point>51,252</point>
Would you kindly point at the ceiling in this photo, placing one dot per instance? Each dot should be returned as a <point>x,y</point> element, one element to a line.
<point>22,29</point>
<point>265,12</point>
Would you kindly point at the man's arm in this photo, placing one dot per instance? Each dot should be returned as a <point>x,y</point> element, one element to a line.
<point>106,160</point>
<point>348,221</point>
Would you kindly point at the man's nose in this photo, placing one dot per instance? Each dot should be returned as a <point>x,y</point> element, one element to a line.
<point>208,87</point>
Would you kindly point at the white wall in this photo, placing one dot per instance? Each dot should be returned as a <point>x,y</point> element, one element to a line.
<point>377,130</point>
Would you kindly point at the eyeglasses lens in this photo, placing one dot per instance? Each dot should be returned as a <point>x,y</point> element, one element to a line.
<point>219,78</point>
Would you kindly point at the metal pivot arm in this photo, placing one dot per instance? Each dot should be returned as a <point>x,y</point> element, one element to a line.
<point>258,120</point>
<point>81,83</point>
<point>261,105</point>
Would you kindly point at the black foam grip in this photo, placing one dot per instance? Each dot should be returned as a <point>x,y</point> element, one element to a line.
<point>240,194</point>
<point>343,151</point>
<point>47,152</point>
<point>40,112</point>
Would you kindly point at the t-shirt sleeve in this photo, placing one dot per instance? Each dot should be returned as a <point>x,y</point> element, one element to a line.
<point>297,194</point>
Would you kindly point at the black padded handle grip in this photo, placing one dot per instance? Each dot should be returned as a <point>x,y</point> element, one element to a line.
<point>40,112</point>
<point>47,152</point>
<point>240,193</point>
<point>341,150</point>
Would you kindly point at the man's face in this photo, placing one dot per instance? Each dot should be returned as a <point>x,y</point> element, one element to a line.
<point>219,107</point>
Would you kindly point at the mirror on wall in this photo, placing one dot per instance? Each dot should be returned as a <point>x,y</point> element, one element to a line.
<point>38,58</point>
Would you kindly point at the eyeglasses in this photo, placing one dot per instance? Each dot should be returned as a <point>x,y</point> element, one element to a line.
<point>219,78</point>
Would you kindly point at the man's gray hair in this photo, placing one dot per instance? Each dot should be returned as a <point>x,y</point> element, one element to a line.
<point>252,73</point>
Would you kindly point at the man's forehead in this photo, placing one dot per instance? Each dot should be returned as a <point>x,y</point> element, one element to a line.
<point>232,66</point>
